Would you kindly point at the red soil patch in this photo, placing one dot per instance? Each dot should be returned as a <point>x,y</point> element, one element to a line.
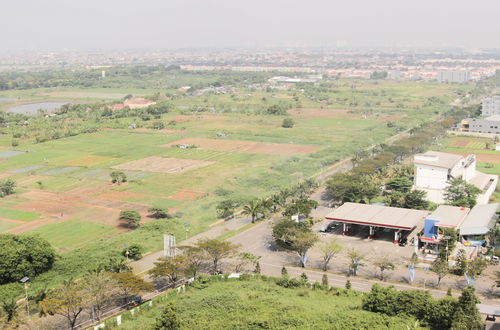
<point>186,194</point>
<point>121,195</point>
<point>163,165</point>
<point>460,143</point>
<point>482,158</point>
<point>246,146</point>
<point>389,118</point>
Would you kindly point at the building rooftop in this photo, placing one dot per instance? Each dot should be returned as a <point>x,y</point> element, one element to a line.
<point>480,219</point>
<point>437,159</point>
<point>449,216</point>
<point>482,180</point>
<point>377,215</point>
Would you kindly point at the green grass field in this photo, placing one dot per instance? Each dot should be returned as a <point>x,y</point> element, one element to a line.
<point>71,234</point>
<point>255,304</point>
<point>18,214</point>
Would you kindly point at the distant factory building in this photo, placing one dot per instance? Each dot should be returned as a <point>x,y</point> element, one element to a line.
<point>489,125</point>
<point>491,106</point>
<point>453,76</point>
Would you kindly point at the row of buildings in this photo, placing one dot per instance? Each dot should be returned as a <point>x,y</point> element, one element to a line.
<point>434,172</point>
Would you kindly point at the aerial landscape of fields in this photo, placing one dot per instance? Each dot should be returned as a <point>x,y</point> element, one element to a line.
<point>170,165</point>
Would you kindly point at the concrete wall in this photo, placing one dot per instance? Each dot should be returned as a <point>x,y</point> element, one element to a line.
<point>484,198</point>
<point>430,177</point>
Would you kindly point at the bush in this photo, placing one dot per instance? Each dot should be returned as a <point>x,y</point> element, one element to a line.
<point>131,218</point>
<point>134,252</point>
<point>288,123</point>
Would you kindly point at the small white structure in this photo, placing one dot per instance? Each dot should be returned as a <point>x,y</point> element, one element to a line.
<point>497,147</point>
<point>434,171</point>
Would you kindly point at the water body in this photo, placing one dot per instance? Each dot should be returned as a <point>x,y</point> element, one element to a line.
<point>32,108</point>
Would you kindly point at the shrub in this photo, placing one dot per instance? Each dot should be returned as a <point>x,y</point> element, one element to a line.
<point>288,123</point>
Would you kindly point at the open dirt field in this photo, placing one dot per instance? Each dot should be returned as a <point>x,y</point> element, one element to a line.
<point>87,161</point>
<point>389,118</point>
<point>483,158</point>
<point>163,165</point>
<point>186,194</point>
<point>320,113</point>
<point>460,142</point>
<point>121,195</point>
<point>246,146</point>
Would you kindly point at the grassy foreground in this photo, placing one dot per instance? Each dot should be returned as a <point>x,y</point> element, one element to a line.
<point>252,303</point>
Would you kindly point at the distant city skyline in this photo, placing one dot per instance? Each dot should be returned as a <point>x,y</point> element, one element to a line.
<point>30,25</point>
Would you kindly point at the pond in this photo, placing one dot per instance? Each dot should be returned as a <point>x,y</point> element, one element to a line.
<point>32,108</point>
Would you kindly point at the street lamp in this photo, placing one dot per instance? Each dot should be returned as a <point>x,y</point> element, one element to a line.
<point>186,227</point>
<point>25,280</point>
<point>125,246</point>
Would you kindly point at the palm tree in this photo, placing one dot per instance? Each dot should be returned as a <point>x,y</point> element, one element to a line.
<point>253,208</point>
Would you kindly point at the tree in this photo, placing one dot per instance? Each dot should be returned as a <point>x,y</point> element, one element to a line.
<point>288,123</point>
<point>99,287</point>
<point>195,257</point>
<point>134,252</point>
<point>68,300</point>
<point>441,268</point>
<point>356,259</point>
<point>416,199</point>
<point>253,209</point>
<point>168,319</point>
<point>348,285</point>
<point>118,177</point>
<point>243,260</point>
<point>402,184</point>
<point>11,309</point>
<point>384,264</point>
<point>284,271</point>
<point>351,188</point>
<point>328,250</point>
<point>467,315</point>
<point>171,268</point>
<point>460,262</point>
<point>131,218</point>
<point>294,237</point>
<point>7,187</point>
<point>477,266</point>
<point>304,277</point>
<point>299,207</point>
<point>226,208</point>
<point>461,193</point>
<point>131,284</point>
<point>217,251</point>
<point>493,237</point>
<point>158,213</point>
<point>24,255</point>
<point>115,265</point>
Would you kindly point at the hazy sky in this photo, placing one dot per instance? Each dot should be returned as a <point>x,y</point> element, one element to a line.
<point>152,24</point>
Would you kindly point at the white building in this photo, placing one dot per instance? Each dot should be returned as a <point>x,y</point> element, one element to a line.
<point>435,170</point>
<point>491,106</point>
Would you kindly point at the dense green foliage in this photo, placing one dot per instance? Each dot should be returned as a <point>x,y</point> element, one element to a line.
<point>446,313</point>
<point>24,255</point>
<point>259,303</point>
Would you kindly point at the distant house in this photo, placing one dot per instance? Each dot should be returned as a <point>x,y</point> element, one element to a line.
<point>138,103</point>
<point>435,170</point>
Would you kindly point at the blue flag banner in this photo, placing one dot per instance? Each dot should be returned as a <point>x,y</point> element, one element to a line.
<point>411,269</point>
